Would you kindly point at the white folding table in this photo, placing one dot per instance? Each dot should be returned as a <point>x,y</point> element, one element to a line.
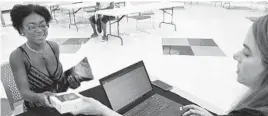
<point>74,8</point>
<point>122,12</point>
<point>53,6</point>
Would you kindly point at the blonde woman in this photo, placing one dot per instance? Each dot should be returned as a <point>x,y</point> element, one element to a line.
<point>252,71</point>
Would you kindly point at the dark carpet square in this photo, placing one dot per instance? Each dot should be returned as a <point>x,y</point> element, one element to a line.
<point>201,42</point>
<point>76,41</point>
<point>69,49</point>
<point>177,50</point>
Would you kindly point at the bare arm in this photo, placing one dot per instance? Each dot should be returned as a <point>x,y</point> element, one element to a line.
<point>109,112</point>
<point>94,107</point>
<point>19,72</point>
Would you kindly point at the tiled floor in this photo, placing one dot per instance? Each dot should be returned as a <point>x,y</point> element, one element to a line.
<point>72,45</point>
<point>201,42</point>
<point>203,32</point>
<point>76,41</point>
<point>69,48</point>
<point>178,50</point>
<point>207,51</point>
<point>191,46</point>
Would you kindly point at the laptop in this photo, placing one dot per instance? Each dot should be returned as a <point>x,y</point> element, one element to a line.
<point>130,92</point>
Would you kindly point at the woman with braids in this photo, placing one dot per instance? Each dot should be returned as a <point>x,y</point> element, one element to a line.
<point>35,64</point>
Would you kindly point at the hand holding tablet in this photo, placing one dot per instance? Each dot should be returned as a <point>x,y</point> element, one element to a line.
<point>67,102</point>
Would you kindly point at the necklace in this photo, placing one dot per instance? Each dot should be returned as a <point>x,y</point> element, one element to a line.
<point>41,54</point>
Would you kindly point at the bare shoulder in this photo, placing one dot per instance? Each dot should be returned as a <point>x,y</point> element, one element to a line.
<point>55,45</point>
<point>16,54</point>
<point>16,58</point>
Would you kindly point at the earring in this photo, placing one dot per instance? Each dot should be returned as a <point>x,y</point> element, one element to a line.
<point>22,34</point>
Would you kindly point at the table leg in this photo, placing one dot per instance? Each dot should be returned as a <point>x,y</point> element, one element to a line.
<point>75,20</point>
<point>52,9</point>
<point>110,24</point>
<point>169,52</point>
<point>110,27</point>
<point>171,14</point>
<point>163,18</point>
<point>2,19</point>
<point>70,19</point>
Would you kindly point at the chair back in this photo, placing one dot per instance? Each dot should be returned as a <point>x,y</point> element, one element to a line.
<point>10,86</point>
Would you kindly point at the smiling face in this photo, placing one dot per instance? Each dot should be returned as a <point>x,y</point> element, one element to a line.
<point>250,67</point>
<point>34,28</point>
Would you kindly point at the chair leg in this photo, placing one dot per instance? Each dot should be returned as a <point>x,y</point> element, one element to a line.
<point>5,107</point>
<point>127,18</point>
<point>19,109</point>
<point>136,24</point>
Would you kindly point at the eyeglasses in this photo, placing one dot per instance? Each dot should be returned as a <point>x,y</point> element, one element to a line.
<point>34,27</point>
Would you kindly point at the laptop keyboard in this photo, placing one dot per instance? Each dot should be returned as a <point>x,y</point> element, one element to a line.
<point>150,107</point>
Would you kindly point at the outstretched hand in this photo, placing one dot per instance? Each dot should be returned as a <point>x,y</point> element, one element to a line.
<point>94,107</point>
<point>91,107</point>
<point>44,98</point>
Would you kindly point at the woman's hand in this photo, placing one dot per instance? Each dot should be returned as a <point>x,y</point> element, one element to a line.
<point>193,110</point>
<point>92,107</point>
<point>44,98</point>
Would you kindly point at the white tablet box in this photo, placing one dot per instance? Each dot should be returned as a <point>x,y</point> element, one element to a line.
<point>67,102</point>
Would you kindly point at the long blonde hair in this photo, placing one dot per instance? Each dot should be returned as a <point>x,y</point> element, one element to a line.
<point>258,98</point>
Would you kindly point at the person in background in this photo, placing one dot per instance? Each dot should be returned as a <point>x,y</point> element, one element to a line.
<point>103,19</point>
<point>35,64</point>
<point>252,71</point>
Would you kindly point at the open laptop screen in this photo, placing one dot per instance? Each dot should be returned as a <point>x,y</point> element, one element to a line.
<point>127,85</point>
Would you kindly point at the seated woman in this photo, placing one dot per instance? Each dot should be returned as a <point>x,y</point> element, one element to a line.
<point>252,71</point>
<point>35,64</point>
<point>103,19</point>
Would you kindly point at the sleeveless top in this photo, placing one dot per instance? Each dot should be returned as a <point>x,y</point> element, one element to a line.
<point>40,82</point>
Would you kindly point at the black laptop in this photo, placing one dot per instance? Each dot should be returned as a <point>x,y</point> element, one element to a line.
<point>130,92</point>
